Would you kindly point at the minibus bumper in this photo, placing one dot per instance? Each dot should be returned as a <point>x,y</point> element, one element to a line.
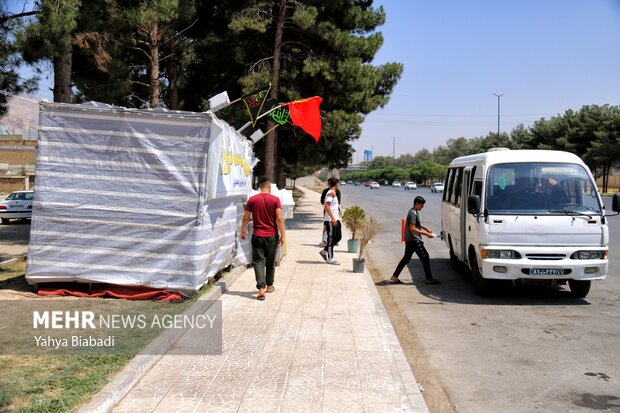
<point>565,269</point>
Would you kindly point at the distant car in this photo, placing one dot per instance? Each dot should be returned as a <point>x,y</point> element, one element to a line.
<point>343,182</point>
<point>395,184</point>
<point>411,186</point>
<point>18,205</point>
<point>437,187</point>
<point>356,183</point>
<point>375,185</point>
<point>367,183</point>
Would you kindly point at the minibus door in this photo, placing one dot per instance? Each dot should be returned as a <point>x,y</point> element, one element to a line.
<point>465,190</point>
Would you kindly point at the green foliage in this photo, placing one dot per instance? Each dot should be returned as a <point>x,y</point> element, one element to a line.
<point>10,60</point>
<point>427,170</point>
<point>353,218</point>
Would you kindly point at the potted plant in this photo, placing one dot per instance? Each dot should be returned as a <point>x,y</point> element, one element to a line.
<point>353,217</point>
<point>367,232</point>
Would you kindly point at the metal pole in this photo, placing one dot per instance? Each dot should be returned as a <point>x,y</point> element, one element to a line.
<point>498,137</point>
<point>394,147</point>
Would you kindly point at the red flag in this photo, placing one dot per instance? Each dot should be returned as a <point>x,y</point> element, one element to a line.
<point>305,114</point>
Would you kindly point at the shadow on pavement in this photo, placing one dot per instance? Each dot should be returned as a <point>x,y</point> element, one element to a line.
<point>246,294</point>
<point>301,220</point>
<point>456,287</point>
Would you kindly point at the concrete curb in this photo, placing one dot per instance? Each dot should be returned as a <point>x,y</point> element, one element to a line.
<point>412,389</point>
<point>113,392</point>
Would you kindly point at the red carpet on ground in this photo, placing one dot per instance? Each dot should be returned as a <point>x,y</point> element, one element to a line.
<point>107,291</point>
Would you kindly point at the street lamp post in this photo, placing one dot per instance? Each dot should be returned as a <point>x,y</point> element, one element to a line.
<point>394,147</point>
<point>499,95</point>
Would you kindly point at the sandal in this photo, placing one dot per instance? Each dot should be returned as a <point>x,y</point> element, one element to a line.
<point>260,297</point>
<point>272,289</point>
<point>432,282</point>
<point>396,282</point>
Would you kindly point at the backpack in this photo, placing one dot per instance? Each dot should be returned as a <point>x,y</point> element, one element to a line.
<point>323,195</point>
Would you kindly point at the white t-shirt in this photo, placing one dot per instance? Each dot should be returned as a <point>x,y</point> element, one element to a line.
<point>333,205</point>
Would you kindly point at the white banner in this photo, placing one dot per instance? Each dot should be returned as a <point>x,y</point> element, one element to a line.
<point>230,161</point>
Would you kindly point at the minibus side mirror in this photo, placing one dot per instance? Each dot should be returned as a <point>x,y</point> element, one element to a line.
<point>473,204</point>
<point>615,202</point>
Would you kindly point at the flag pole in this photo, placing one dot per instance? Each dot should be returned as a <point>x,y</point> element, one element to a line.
<point>264,114</point>
<point>270,130</point>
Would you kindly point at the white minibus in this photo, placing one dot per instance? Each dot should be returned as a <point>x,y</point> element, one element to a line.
<point>525,215</point>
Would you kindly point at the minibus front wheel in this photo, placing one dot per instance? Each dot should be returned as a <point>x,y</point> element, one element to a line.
<point>579,288</point>
<point>481,285</point>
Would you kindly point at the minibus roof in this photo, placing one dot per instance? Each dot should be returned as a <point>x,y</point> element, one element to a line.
<point>521,155</point>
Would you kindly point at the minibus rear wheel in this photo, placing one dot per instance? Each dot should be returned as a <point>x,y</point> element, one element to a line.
<point>579,288</point>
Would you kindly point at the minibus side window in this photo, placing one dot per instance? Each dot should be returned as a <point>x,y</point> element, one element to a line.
<point>456,193</point>
<point>477,188</point>
<point>448,184</point>
<point>471,179</point>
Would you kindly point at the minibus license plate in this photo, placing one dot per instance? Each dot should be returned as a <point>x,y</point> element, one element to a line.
<point>546,271</point>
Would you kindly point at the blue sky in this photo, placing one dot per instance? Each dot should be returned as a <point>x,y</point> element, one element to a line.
<point>546,56</point>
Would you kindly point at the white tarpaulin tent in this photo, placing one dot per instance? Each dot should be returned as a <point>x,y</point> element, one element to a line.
<point>137,197</point>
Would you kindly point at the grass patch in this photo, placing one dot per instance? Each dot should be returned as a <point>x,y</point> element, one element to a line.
<point>53,383</point>
<point>61,383</point>
<point>12,270</point>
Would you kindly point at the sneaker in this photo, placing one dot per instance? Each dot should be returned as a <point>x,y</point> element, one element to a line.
<point>323,244</point>
<point>333,262</point>
<point>323,254</point>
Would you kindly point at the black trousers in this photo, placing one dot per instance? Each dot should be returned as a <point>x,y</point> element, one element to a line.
<point>418,248</point>
<point>334,235</point>
<point>264,259</point>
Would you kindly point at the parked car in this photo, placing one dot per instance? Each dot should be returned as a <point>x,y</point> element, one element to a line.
<point>411,186</point>
<point>395,184</point>
<point>374,185</point>
<point>437,187</point>
<point>343,182</point>
<point>367,183</point>
<point>356,183</point>
<point>18,205</point>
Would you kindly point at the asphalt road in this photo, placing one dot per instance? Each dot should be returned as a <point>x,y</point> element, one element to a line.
<point>14,239</point>
<point>526,349</point>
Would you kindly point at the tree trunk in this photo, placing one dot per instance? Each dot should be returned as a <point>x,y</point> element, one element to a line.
<point>62,76</point>
<point>154,72</point>
<point>272,138</point>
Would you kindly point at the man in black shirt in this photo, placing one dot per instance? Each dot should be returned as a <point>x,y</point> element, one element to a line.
<point>413,243</point>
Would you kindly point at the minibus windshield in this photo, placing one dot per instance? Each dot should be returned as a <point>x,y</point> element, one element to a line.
<point>540,188</point>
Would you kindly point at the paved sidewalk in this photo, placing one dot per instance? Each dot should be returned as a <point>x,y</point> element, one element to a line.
<point>321,342</point>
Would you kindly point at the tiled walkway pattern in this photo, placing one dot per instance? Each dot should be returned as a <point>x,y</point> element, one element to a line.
<point>319,343</point>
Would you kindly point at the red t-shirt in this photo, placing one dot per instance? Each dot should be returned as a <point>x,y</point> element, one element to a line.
<point>263,208</point>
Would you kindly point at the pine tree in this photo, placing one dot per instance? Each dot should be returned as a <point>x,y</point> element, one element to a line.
<point>52,37</point>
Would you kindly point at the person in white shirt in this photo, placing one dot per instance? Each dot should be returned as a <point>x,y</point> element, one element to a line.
<point>331,222</point>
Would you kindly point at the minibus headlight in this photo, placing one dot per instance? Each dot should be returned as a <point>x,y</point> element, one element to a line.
<point>583,255</point>
<point>503,254</point>
<point>491,254</point>
<point>590,255</point>
<point>506,254</point>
